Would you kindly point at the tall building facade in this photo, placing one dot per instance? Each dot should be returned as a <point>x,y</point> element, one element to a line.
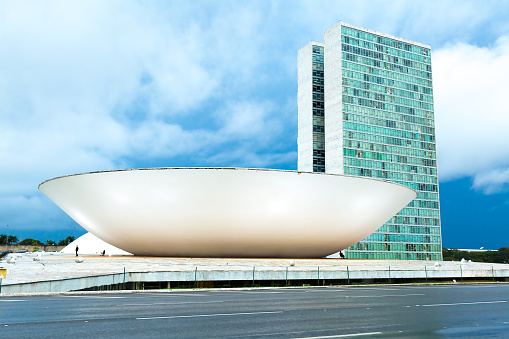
<point>365,104</point>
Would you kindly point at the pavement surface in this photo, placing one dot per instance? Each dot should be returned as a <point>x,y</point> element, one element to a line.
<point>445,311</point>
<point>30,267</point>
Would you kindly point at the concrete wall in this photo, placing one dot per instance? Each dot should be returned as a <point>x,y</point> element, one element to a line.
<point>281,274</point>
<point>30,248</point>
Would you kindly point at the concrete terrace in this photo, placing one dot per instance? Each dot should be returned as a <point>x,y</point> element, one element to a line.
<point>55,272</point>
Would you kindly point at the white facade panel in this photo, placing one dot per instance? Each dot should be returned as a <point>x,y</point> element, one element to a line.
<point>305,108</point>
<point>333,101</point>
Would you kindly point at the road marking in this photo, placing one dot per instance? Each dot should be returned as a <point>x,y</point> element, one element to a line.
<point>174,294</point>
<point>342,335</point>
<point>472,303</point>
<point>170,303</point>
<point>247,292</point>
<point>91,297</point>
<point>373,288</point>
<point>208,315</point>
<point>385,295</point>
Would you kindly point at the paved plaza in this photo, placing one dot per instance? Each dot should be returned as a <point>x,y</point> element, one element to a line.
<point>43,267</point>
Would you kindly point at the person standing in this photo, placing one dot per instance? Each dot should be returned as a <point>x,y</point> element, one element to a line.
<point>77,248</point>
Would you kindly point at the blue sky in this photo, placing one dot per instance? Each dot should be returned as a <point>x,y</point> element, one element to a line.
<point>102,85</point>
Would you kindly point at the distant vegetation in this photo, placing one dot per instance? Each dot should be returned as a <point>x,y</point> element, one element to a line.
<point>12,240</point>
<point>500,256</point>
<point>8,239</point>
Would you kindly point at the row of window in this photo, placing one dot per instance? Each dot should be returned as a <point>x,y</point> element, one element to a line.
<point>385,98</point>
<point>318,120</point>
<point>392,158</point>
<point>388,166</point>
<point>317,160</point>
<point>370,146</point>
<point>384,122</point>
<point>317,49</point>
<point>318,104</point>
<point>318,96</point>
<point>383,106</point>
<point>353,126</point>
<point>373,78</point>
<point>388,115</point>
<point>382,65</point>
<point>393,255</point>
<point>389,77</point>
<point>318,81</point>
<point>318,66</point>
<point>388,162</point>
<point>403,238</point>
<point>379,48</point>
<point>388,175</point>
<point>399,178</point>
<point>417,186</point>
<point>318,112</point>
<point>318,137</point>
<point>319,153</point>
<point>318,74</point>
<point>396,247</point>
<point>364,85</point>
<point>319,168</point>
<point>390,228</point>
<point>318,129</point>
<point>319,145</point>
<point>318,88</point>
<point>317,58</point>
<point>383,60</point>
<point>423,203</point>
<point>389,140</point>
<point>420,212</point>
<point>384,41</point>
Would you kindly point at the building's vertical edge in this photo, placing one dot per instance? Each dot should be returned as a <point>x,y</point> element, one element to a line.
<point>333,101</point>
<point>440,255</point>
<point>305,108</point>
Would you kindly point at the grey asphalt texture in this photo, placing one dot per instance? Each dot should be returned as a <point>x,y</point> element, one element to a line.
<point>407,311</point>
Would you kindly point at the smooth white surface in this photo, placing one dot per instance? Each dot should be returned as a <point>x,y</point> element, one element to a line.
<point>226,212</point>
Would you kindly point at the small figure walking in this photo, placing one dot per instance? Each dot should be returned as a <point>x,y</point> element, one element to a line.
<point>77,248</point>
<point>341,255</point>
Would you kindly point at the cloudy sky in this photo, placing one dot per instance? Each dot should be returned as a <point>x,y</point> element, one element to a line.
<point>102,85</point>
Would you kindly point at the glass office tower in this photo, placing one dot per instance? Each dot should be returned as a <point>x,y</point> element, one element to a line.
<point>378,122</point>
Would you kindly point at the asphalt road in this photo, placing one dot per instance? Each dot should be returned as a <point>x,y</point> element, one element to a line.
<point>329,312</point>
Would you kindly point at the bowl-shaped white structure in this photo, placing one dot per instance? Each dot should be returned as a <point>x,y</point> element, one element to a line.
<point>227,212</point>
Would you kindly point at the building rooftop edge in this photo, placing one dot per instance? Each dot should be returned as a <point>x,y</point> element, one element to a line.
<point>381,34</point>
<point>312,43</point>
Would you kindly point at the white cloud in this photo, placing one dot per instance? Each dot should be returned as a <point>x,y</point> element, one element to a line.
<point>76,75</point>
<point>493,181</point>
<point>471,87</point>
<point>92,85</point>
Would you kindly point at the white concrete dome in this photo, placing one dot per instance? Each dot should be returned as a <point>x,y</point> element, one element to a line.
<point>90,244</point>
<point>227,212</point>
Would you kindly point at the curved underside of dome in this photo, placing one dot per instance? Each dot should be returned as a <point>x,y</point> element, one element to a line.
<point>227,212</point>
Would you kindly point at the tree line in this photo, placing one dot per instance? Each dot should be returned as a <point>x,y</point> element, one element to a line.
<point>501,256</point>
<point>13,240</point>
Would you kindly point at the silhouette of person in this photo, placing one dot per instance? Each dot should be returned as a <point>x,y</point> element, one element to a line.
<point>77,248</point>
